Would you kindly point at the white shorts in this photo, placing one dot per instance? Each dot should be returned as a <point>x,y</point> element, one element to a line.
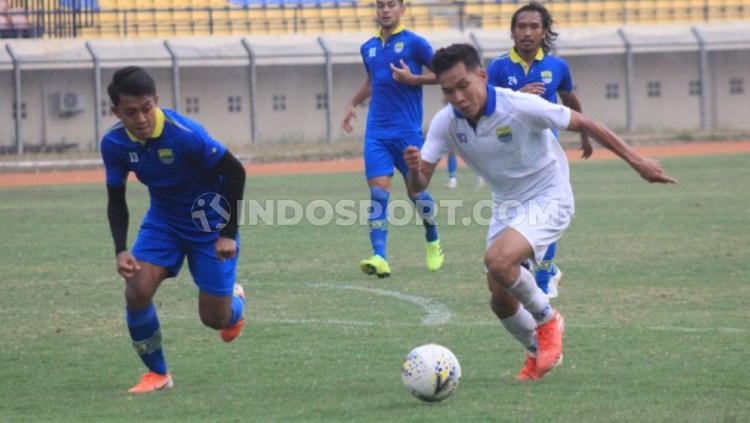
<point>541,221</point>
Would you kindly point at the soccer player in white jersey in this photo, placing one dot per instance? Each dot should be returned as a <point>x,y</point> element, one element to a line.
<point>506,137</point>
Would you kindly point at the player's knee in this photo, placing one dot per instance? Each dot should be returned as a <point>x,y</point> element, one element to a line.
<point>136,297</point>
<point>499,266</point>
<point>215,320</point>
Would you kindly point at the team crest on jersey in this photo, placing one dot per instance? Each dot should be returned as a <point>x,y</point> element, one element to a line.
<point>504,133</point>
<point>166,156</point>
<point>399,47</point>
<point>372,52</point>
<point>462,139</point>
<point>512,80</point>
<point>546,76</point>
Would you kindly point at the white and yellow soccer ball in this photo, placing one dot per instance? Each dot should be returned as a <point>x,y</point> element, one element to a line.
<point>431,372</point>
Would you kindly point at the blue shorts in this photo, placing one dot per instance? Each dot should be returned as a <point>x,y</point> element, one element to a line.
<point>167,249</point>
<point>382,155</point>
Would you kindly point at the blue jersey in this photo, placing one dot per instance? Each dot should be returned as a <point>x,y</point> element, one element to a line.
<point>175,166</point>
<point>395,108</point>
<point>510,71</point>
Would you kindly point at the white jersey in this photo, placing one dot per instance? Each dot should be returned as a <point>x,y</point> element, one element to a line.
<point>512,146</point>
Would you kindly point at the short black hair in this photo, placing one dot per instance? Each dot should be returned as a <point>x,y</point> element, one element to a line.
<point>130,80</point>
<point>549,35</point>
<point>447,57</point>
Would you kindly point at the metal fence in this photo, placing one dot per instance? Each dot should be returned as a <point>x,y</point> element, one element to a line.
<point>699,69</point>
<point>84,18</point>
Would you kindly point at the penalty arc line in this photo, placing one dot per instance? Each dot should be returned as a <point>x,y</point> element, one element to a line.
<point>437,313</point>
<point>343,322</point>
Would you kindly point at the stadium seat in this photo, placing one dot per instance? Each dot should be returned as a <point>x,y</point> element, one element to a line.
<point>146,18</point>
<point>489,13</point>
<point>578,13</point>
<point>6,28</point>
<point>613,13</point>
<point>19,22</point>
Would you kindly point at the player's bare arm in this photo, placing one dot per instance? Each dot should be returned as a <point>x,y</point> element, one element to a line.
<point>649,169</point>
<point>420,172</point>
<point>351,108</point>
<point>570,99</point>
<point>404,75</point>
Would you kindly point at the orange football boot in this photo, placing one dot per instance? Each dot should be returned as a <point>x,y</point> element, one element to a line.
<point>151,382</point>
<point>549,338</point>
<point>528,372</point>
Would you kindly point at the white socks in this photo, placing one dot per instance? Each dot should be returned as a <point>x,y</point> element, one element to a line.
<point>523,327</point>
<point>531,296</point>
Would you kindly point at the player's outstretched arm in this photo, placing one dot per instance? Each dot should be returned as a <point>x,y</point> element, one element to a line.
<point>649,169</point>
<point>570,99</point>
<point>351,108</point>
<point>420,172</point>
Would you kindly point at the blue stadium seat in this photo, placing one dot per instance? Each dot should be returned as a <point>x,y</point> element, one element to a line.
<point>80,4</point>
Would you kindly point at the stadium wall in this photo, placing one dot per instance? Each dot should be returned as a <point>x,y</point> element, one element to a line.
<point>731,104</point>
<point>210,80</point>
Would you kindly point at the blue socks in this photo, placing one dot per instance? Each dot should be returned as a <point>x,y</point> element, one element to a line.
<point>426,209</point>
<point>144,331</point>
<point>238,309</point>
<point>546,269</point>
<point>452,165</point>
<point>378,220</point>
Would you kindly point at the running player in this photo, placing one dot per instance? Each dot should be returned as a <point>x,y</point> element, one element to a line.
<point>506,137</point>
<point>393,60</point>
<point>196,187</point>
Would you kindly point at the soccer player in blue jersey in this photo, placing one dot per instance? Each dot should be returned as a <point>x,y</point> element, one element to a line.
<point>195,185</point>
<point>393,59</point>
<point>529,67</point>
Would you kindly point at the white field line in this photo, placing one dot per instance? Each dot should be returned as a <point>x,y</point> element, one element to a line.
<point>437,313</point>
<point>344,322</point>
<point>45,164</point>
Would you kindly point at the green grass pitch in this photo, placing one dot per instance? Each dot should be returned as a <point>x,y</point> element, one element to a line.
<point>656,290</point>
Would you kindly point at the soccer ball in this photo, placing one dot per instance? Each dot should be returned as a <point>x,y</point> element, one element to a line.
<point>431,372</point>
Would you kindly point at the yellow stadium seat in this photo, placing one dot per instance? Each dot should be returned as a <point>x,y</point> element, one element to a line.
<point>492,16</point>
<point>146,18</point>
<point>578,13</point>
<point>695,10</point>
<point>364,12</point>
<point>593,13</point>
<point>613,13</point>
